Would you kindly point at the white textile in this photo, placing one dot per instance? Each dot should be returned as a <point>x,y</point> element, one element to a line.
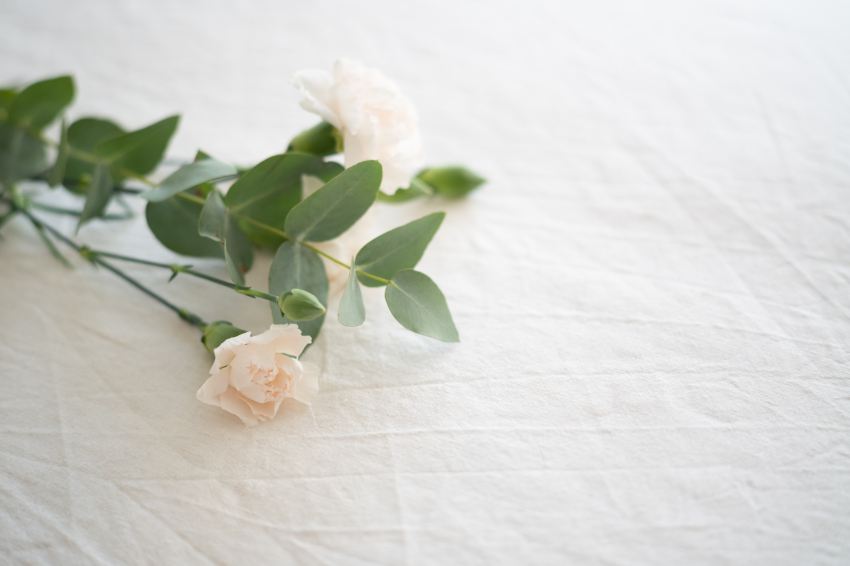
<point>653,293</point>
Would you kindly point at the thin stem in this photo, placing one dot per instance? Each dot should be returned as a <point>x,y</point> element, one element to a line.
<point>184,314</point>
<point>74,212</point>
<point>177,269</point>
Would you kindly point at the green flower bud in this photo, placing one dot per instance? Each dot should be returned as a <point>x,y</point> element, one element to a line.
<point>322,139</point>
<point>298,304</point>
<point>217,332</point>
<point>451,182</point>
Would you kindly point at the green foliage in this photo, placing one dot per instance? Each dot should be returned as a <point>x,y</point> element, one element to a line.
<point>202,171</point>
<point>296,267</point>
<point>174,222</point>
<point>24,114</point>
<point>417,189</point>
<point>419,305</point>
<point>268,191</point>
<point>57,172</point>
<point>300,305</point>
<point>83,135</point>
<point>264,207</point>
<point>400,248</point>
<point>452,181</point>
<point>40,103</point>
<point>217,332</point>
<point>21,155</point>
<point>217,224</point>
<point>351,309</point>
<point>322,140</point>
<point>6,97</point>
<point>98,195</point>
<point>332,210</point>
<point>137,152</point>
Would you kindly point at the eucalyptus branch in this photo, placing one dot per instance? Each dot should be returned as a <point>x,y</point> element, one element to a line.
<point>91,158</point>
<point>281,233</point>
<point>184,314</point>
<point>177,269</point>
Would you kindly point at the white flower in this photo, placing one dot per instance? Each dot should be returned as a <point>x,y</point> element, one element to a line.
<point>375,118</point>
<point>252,375</point>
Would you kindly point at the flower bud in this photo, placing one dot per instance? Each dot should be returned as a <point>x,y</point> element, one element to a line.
<point>451,182</point>
<point>298,304</point>
<point>217,332</point>
<point>322,139</point>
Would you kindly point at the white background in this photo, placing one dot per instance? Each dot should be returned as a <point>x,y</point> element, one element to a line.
<point>652,292</point>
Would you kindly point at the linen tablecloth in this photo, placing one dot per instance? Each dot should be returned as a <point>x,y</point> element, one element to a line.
<point>651,290</point>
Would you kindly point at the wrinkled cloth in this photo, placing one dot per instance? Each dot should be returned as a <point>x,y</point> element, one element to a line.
<point>651,293</point>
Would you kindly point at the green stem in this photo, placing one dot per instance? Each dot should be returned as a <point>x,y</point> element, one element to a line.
<point>84,252</point>
<point>74,212</point>
<point>177,269</point>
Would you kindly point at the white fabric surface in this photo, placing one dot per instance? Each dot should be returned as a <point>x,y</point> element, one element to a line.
<point>652,293</point>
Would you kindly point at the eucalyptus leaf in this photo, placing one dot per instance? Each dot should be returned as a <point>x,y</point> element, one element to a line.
<point>6,97</point>
<point>83,135</point>
<point>216,223</point>
<point>21,155</point>
<point>268,191</point>
<point>174,222</point>
<point>331,210</point>
<point>40,103</point>
<point>140,151</point>
<point>98,195</point>
<point>188,176</point>
<point>212,223</point>
<point>419,305</point>
<point>400,248</point>
<point>451,181</point>
<point>238,253</point>
<point>322,139</point>
<point>296,267</point>
<point>57,173</point>
<point>351,309</point>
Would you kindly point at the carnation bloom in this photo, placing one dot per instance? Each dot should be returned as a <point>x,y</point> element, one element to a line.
<point>376,120</point>
<point>252,375</point>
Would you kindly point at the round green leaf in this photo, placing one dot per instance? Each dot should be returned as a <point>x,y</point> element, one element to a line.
<point>83,135</point>
<point>139,151</point>
<point>332,210</point>
<point>174,222</point>
<point>296,267</point>
<point>188,176</point>
<point>400,248</point>
<point>351,309</point>
<point>268,191</point>
<point>41,102</point>
<point>419,305</point>
<point>21,155</point>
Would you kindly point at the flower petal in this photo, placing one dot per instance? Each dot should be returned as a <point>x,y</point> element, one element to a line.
<point>316,87</point>
<point>233,403</point>
<point>306,386</point>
